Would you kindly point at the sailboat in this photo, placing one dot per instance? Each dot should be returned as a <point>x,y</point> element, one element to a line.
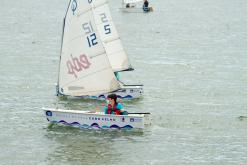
<point>134,6</point>
<point>86,53</point>
<point>91,52</point>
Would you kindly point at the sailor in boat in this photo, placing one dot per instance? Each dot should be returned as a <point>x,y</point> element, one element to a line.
<point>113,107</point>
<point>145,6</point>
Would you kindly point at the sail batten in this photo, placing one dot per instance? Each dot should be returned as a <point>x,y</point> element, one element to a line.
<point>83,77</point>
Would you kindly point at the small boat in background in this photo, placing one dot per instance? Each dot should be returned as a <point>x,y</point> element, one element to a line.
<point>134,6</point>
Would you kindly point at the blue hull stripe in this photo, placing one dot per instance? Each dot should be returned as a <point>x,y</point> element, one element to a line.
<point>94,125</point>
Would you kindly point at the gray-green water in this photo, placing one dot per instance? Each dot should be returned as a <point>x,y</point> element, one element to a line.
<point>190,55</point>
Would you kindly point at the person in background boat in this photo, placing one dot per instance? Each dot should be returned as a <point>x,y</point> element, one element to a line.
<point>113,107</point>
<point>145,6</point>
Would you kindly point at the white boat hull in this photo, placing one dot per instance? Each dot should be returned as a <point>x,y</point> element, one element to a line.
<point>132,10</point>
<point>135,10</point>
<point>97,120</point>
<point>127,92</point>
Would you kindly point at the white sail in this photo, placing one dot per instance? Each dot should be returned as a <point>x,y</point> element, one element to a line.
<point>84,65</point>
<point>132,1</point>
<point>110,37</point>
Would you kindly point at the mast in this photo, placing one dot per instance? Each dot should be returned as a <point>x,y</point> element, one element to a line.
<point>57,87</point>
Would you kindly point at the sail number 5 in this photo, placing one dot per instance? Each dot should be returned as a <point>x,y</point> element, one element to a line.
<point>105,20</point>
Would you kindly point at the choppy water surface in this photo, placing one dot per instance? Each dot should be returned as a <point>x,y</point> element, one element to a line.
<point>190,55</point>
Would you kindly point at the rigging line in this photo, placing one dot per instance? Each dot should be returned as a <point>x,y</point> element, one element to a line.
<point>91,56</point>
<point>99,54</point>
<point>113,39</point>
<point>119,51</point>
<point>99,5</point>
<point>74,38</point>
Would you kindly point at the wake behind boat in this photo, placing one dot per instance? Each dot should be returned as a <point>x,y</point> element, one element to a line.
<point>92,53</point>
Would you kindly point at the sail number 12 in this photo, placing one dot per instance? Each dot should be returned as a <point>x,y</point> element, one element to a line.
<point>91,39</point>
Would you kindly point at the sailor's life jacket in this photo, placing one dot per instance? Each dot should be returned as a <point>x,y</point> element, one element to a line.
<point>116,109</point>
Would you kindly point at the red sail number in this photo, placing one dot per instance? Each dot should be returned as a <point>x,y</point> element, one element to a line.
<point>76,65</point>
